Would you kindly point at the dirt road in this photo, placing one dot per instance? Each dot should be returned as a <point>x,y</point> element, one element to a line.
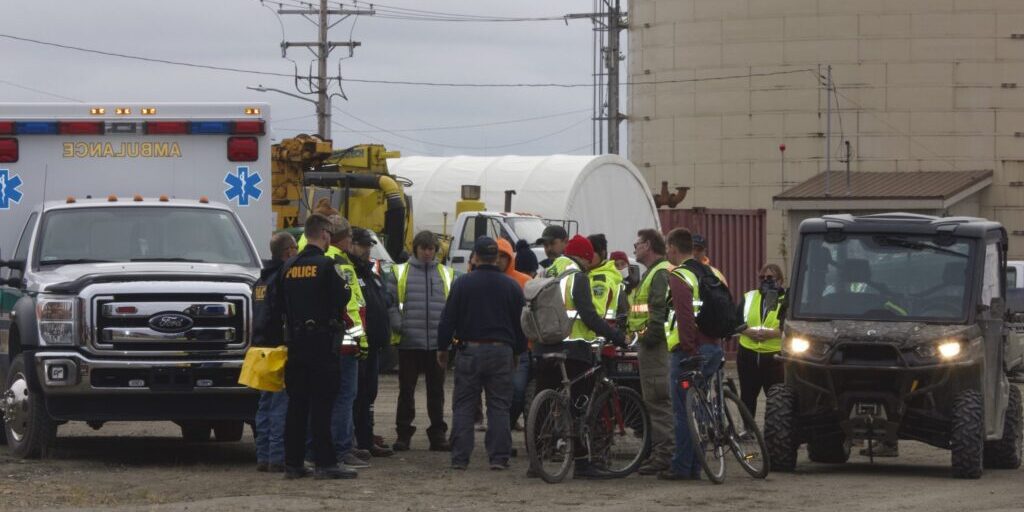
<point>147,466</point>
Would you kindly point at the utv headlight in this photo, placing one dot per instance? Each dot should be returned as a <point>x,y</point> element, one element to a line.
<point>799,345</point>
<point>57,318</point>
<point>949,349</point>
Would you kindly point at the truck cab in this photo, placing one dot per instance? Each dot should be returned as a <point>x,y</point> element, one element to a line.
<point>126,310</point>
<point>511,226</point>
<point>898,329</point>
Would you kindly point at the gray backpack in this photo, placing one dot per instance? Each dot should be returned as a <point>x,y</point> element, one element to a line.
<point>545,318</point>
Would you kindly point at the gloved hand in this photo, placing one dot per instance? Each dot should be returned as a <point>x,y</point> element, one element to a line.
<point>619,340</point>
<point>364,348</point>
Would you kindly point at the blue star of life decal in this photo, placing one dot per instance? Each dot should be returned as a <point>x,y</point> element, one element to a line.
<point>243,186</point>
<point>9,185</point>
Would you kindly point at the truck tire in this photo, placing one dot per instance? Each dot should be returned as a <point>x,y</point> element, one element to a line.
<point>830,449</point>
<point>195,431</point>
<point>1006,452</point>
<point>967,436</point>
<point>29,430</point>
<point>228,431</point>
<point>780,428</point>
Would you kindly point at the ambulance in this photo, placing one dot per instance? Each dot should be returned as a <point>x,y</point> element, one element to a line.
<point>130,237</point>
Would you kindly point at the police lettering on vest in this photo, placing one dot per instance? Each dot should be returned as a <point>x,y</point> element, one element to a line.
<point>301,272</point>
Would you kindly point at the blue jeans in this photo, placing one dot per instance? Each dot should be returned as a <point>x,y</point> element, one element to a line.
<point>483,367</point>
<point>270,415</point>
<point>684,461</point>
<point>520,379</point>
<point>342,425</point>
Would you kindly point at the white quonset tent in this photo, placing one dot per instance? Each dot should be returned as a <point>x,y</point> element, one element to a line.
<point>604,194</point>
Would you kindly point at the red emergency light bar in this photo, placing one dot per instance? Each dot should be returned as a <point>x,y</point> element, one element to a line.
<point>166,127</point>
<point>247,128</point>
<point>6,127</point>
<point>80,128</point>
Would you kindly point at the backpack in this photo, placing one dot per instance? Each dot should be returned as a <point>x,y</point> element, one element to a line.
<point>718,316</point>
<point>545,318</point>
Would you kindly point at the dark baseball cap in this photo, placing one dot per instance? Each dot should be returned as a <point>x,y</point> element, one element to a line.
<point>485,246</point>
<point>700,241</point>
<point>553,232</point>
<point>362,236</point>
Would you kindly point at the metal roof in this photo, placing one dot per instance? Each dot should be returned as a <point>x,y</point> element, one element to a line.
<point>939,185</point>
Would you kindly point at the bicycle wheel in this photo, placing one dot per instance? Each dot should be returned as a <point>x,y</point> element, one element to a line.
<point>549,438</point>
<point>620,431</point>
<point>745,438</point>
<point>705,436</point>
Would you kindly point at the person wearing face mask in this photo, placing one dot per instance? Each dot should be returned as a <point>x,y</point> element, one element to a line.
<point>764,311</point>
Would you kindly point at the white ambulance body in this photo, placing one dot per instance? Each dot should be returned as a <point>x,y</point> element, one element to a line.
<point>186,151</point>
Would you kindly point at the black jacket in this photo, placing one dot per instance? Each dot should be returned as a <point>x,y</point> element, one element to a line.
<point>483,305</point>
<point>583,299</point>
<point>378,325</point>
<point>310,295</point>
<point>261,337</point>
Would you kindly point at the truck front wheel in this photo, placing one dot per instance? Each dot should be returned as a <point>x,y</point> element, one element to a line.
<point>780,427</point>
<point>967,438</point>
<point>1006,452</point>
<point>228,431</point>
<point>28,428</point>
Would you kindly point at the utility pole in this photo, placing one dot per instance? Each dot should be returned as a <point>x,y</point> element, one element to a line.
<point>608,19</point>
<point>828,135</point>
<point>321,48</point>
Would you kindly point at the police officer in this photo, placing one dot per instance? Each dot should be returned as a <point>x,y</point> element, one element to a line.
<point>312,296</point>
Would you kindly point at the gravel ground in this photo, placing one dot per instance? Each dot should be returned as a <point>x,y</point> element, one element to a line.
<point>146,466</point>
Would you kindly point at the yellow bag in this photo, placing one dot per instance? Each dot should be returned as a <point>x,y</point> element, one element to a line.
<point>263,368</point>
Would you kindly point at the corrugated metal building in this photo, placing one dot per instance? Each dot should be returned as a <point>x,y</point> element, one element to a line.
<point>919,86</point>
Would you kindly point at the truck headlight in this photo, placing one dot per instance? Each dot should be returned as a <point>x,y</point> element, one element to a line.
<point>799,345</point>
<point>57,317</point>
<point>950,349</point>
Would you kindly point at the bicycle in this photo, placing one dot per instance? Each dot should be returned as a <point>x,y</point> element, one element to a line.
<point>712,411</point>
<point>611,422</point>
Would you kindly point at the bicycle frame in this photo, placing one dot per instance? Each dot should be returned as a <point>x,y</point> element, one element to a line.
<point>601,382</point>
<point>695,381</point>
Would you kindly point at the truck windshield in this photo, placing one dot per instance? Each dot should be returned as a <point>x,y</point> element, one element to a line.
<point>527,228</point>
<point>883,277</point>
<point>121,234</point>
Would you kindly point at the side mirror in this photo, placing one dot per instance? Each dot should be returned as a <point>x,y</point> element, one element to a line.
<point>14,282</point>
<point>13,264</point>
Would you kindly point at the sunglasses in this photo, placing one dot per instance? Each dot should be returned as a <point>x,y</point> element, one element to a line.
<point>766,276</point>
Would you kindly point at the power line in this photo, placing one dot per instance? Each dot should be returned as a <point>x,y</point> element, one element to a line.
<point>482,125</point>
<point>388,82</point>
<point>450,146</point>
<point>40,91</point>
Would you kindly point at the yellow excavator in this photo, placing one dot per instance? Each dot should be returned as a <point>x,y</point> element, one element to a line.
<point>307,172</point>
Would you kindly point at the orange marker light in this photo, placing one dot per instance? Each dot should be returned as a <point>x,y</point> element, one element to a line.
<point>112,198</point>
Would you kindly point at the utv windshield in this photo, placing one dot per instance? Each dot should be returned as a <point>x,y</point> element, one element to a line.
<point>120,234</point>
<point>883,277</point>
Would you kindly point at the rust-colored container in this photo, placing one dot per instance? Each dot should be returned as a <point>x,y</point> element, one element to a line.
<point>736,245</point>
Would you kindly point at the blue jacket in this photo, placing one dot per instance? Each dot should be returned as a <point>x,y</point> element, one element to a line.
<point>483,305</point>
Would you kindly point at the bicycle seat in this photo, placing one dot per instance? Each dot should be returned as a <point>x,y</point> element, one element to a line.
<point>554,355</point>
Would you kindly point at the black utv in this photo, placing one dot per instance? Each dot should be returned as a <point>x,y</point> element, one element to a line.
<point>898,329</point>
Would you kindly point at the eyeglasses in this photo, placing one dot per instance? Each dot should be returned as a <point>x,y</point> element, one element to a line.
<point>638,244</point>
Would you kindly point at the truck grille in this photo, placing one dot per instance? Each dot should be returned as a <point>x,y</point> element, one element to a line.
<point>169,322</point>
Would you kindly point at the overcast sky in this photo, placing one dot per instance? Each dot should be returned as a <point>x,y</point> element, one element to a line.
<point>245,34</point>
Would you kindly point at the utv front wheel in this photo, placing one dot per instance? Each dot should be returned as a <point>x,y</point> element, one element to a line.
<point>1006,452</point>
<point>967,437</point>
<point>780,428</point>
<point>28,428</point>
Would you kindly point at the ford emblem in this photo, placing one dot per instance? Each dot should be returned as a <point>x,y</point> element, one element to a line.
<point>170,322</point>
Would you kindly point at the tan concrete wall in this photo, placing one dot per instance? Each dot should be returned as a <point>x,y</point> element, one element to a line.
<point>920,87</point>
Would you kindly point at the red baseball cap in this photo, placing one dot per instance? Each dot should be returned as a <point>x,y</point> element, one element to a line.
<point>580,247</point>
<point>619,256</point>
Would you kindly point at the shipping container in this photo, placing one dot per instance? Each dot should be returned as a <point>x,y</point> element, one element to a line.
<point>736,243</point>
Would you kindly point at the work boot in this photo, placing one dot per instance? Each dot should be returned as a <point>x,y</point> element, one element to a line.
<point>362,454</point>
<point>350,460</point>
<point>292,473</point>
<point>584,470</point>
<point>381,451</point>
<point>882,449</point>
<point>379,441</point>
<point>440,445</point>
<point>401,445</point>
<point>335,473</point>
<point>652,467</point>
